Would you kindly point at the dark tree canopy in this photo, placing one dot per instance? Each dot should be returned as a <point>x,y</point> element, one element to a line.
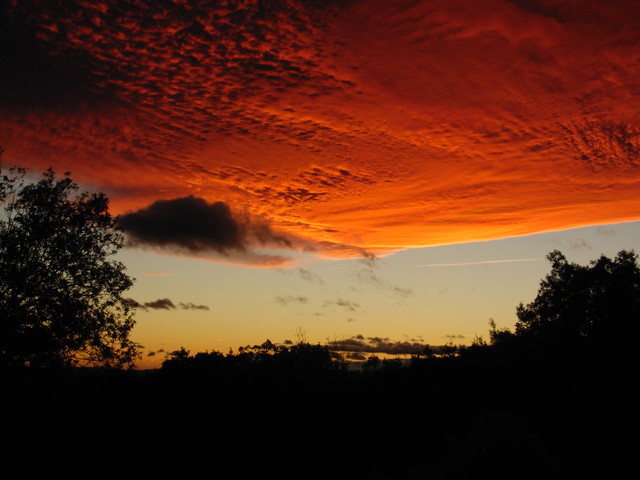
<point>60,293</point>
<point>600,301</point>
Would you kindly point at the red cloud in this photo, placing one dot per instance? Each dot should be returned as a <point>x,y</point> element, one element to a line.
<point>372,124</point>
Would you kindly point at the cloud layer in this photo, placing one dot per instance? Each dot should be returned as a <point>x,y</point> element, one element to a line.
<point>370,124</point>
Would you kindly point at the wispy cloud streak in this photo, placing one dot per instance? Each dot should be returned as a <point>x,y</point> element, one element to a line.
<point>482,262</point>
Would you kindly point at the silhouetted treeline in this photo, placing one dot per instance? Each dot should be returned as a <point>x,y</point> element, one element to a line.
<point>553,399</point>
<point>267,358</point>
<point>502,410</point>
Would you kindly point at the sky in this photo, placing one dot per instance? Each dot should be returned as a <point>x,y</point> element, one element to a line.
<point>388,173</point>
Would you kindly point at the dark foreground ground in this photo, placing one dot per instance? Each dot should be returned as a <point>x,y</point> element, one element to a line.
<point>482,414</point>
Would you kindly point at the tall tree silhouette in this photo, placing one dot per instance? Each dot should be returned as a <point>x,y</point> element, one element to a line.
<point>598,302</point>
<point>60,293</point>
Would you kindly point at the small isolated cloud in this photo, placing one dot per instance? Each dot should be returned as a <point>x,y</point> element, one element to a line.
<point>304,274</point>
<point>309,277</point>
<point>192,306</point>
<point>606,231</point>
<point>160,304</point>
<point>193,226</point>
<point>289,299</point>
<point>341,302</point>
<point>164,304</point>
<point>153,354</point>
<point>403,292</point>
<point>454,337</point>
<point>580,244</point>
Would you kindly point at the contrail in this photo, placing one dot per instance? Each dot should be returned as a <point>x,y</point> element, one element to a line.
<point>483,262</point>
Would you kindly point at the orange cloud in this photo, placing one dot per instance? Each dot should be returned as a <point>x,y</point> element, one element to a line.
<point>369,125</point>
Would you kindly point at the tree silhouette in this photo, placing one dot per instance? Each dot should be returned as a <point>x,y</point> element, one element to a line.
<point>60,294</point>
<point>599,302</point>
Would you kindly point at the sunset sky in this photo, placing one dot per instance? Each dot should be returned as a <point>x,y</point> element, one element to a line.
<point>348,170</point>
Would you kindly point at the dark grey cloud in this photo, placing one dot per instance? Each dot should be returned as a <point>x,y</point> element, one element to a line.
<point>160,304</point>
<point>192,306</point>
<point>130,302</point>
<point>341,302</point>
<point>452,337</point>
<point>164,304</point>
<point>403,292</point>
<point>303,273</point>
<point>606,231</point>
<point>289,299</point>
<point>358,344</point>
<point>309,276</point>
<point>191,225</point>
<point>580,244</point>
